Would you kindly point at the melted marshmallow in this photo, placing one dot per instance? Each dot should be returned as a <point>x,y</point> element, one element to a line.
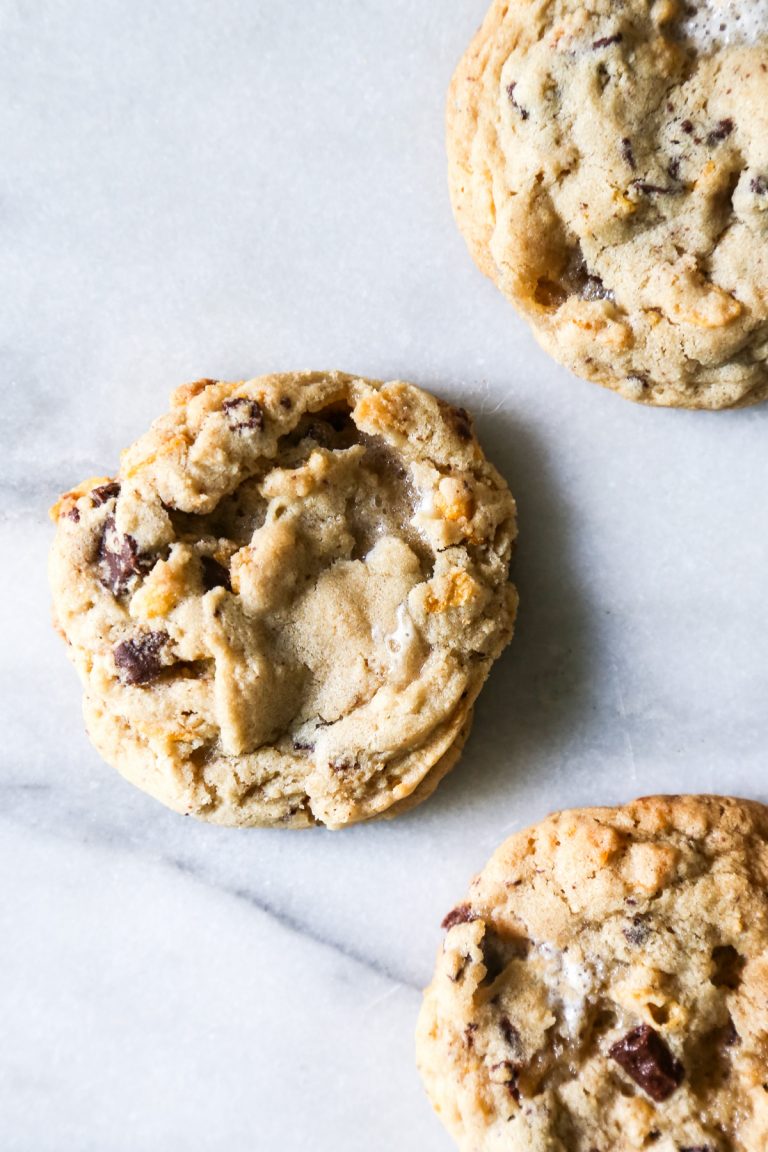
<point>718,23</point>
<point>568,983</point>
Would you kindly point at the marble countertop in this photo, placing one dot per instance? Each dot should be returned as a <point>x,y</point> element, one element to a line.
<point>218,187</point>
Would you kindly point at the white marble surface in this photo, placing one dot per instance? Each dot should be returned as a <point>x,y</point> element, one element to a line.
<point>205,187</point>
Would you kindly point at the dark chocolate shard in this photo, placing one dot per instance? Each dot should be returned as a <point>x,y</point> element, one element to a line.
<point>215,575</point>
<point>302,745</point>
<point>759,185</point>
<point>119,559</point>
<point>511,1037</point>
<point>627,153</point>
<point>524,113</point>
<point>606,41</point>
<point>461,914</point>
<point>720,132</point>
<point>644,1056</point>
<point>648,189</point>
<point>104,492</point>
<point>138,661</point>
<point>244,415</point>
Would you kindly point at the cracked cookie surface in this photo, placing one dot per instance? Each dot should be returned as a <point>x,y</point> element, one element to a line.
<point>284,606</point>
<point>604,988</point>
<point>609,171</point>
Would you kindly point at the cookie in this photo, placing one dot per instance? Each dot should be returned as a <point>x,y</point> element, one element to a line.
<point>283,607</point>
<point>609,171</point>
<point>604,987</point>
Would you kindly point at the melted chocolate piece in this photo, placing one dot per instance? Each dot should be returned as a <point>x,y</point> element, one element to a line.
<point>244,415</point>
<point>720,132</point>
<point>138,661</point>
<point>74,514</point>
<point>461,914</point>
<point>645,1057</point>
<point>524,113</point>
<point>119,558</point>
<point>215,575</point>
<point>103,493</point>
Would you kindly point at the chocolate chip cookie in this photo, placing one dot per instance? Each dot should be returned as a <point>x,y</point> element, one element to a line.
<point>604,987</point>
<point>609,171</point>
<point>284,605</point>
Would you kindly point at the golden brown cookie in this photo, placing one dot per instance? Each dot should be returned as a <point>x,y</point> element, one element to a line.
<point>283,607</point>
<point>609,171</point>
<point>604,987</point>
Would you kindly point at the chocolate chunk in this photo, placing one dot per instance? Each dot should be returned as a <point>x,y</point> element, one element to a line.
<point>720,132</point>
<point>653,189</point>
<point>524,113</point>
<point>645,1057</point>
<point>243,414</point>
<point>215,575</point>
<point>759,185</point>
<point>638,931</point>
<point>103,493</point>
<point>627,153</point>
<point>511,1037</point>
<point>138,661</point>
<point>302,746</point>
<point>119,558</point>
<point>673,168</point>
<point>461,914</point>
<point>697,1148</point>
<point>687,127</point>
<point>74,514</point>
<point>606,41</point>
<point>469,1035</point>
